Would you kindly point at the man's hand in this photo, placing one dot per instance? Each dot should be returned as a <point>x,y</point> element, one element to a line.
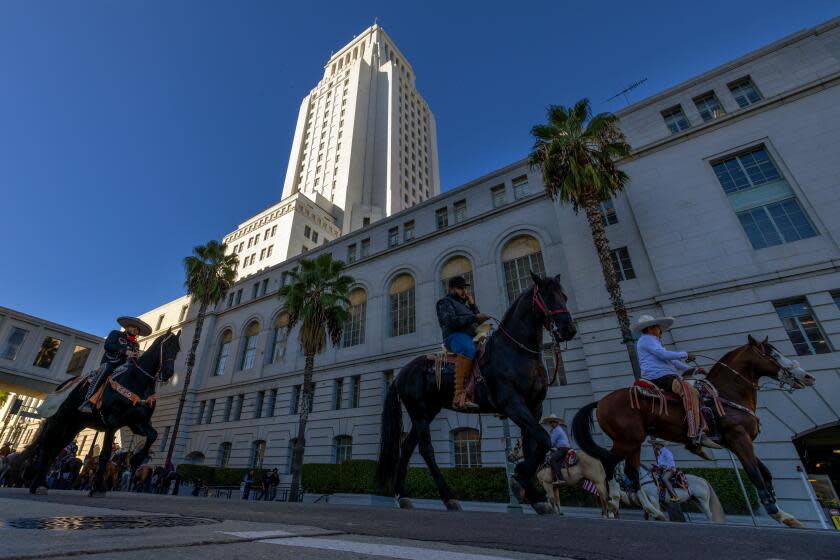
<point>481,317</point>
<point>691,357</point>
<point>470,299</point>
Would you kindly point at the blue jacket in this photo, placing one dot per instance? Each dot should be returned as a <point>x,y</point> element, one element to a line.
<point>456,315</point>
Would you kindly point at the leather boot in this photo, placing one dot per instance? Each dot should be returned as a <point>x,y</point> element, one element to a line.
<point>463,367</point>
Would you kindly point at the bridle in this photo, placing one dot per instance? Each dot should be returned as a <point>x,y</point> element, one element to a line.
<point>157,375</point>
<point>537,303</point>
<point>784,375</point>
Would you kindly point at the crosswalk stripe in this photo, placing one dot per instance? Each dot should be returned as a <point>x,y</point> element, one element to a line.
<point>386,550</point>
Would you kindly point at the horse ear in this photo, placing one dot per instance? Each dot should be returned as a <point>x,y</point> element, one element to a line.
<point>751,340</point>
<point>536,278</point>
<point>766,338</point>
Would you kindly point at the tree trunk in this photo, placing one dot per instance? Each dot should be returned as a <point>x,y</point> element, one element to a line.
<point>173,435</point>
<point>300,444</point>
<point>602,246</point>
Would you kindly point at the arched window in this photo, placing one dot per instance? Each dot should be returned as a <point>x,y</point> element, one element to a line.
<point>249,345</point>
<point>195,458</point>
<point>223,353</point>
<point>257,454</point>
<point>290,455</point>
<point>402,305</point>
<point>223,457</point>
<point>342,449</point>
<point>520,256</point>
<point>281,336</point>
<point>456,266</point>
<point>466,447</point>
<point>354,328</point>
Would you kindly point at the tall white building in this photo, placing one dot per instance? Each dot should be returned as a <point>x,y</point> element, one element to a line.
<point>365,147</point>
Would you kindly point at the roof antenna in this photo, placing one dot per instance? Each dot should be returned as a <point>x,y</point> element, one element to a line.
<point>627,90</point>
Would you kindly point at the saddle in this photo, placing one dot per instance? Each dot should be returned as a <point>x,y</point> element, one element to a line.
<point>444,361</point>
<point>678,480</point>
<point>711,406</point>
<point>569,461</point>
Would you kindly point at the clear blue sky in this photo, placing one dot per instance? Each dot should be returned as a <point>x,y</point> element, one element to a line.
<point>131,131</point>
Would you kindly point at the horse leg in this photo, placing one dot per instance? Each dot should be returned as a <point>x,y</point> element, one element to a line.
<point>142,429</point>
<point>407,449</point>
<point>632,462</point>
<point>768,478</point>
<point>535,444</point>
<point>427,451</point>
<point>98,484</point>
<point>741,445</point>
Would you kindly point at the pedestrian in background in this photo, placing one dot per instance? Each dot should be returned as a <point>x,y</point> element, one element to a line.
<point>274,481</point>
<point>246,484</point>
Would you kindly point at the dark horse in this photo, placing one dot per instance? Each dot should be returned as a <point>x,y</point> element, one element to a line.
<point>735,376</point>
<point>514,385</point>
<point>118,409</point>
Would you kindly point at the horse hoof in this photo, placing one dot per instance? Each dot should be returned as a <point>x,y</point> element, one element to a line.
<point>453,505</point>
<point>42,491</point>
<point>405,503</point>
<point>543,508</point>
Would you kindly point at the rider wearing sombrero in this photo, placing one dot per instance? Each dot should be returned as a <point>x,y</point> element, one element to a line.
<point>119,347</point>
<point>458,317</point>
<point>663,368</point>
<point>560,444</point>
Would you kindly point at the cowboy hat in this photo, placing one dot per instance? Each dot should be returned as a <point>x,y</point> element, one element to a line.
<point>646,321</point>
<point>656,441</point>
<point>553,418</point>
<point>143,327</point>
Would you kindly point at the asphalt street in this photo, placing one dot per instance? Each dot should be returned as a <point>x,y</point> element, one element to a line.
<point>128,526</point>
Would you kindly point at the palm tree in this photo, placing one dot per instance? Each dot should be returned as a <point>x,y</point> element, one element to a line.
<point>578,153</point>
<point>210,274</point>
<point>317,296</point>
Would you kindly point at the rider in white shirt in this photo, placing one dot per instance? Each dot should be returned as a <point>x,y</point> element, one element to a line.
<point>666,464</point>
<point>560,444</point>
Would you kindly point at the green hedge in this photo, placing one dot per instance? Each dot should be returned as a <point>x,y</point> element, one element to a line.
<point>486,484</point>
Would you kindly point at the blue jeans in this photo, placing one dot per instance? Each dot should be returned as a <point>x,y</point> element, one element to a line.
<point>461,344</point>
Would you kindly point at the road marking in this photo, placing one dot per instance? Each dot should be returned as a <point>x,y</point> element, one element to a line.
<point>386,550</point>
<point>256,534</point>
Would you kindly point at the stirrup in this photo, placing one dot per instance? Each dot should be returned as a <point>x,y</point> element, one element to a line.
<point>466,407</point>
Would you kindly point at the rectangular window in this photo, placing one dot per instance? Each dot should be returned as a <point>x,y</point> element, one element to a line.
<point>499,196</point>
<point>550,361</point>
<point>238,297</point>
<point>393,237</point>
<point>306,231</point>
<point>294,403</point>
<point>608,215</point>
<point>518,273</point>
<point>159,322</point>
<point>745,92</point>
<point>709,106</point>
<point>240,402</point>
<point>460,209</point>
<point>365,222</point>
<point>264,286</point>
<point>402,312</point>
<point>258,404</point>
<point>46,353</point>
<point>230,300</point>
<point>520,187</point>
<point>621,263</point>
<point>77,361</point>
<point>802,328</point>
<point>351,253</point>
<point>13,343</point>
<point>255,290</point>
<point>408,231</point>
<point>355,391</point>
<point>442,218</point>
<point>364,248</point>
<point>762,199</point>
<point>183,314</point>
<point>211,405</point>
<point>269,251</point>
<point>338,393</point>
<point>262,253</point>
<point>228,408</point>
<point>675,119</point>
<point>269,405</point>
<point>354,327</point>
<point>199,418</point>
<point>314,237</point>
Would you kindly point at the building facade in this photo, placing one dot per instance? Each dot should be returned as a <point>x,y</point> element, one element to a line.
<point>727,225</point>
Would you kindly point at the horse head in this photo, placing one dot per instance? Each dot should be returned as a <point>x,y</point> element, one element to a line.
<point>550,299</point>
<point>768,361</point>
<point>159,359</point>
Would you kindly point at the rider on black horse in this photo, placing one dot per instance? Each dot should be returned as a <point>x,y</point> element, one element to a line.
<point>458,317</point>
<point>119,347</point>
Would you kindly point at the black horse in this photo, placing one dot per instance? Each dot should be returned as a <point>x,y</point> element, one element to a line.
<point>122,405</point>
<point>514,386</point>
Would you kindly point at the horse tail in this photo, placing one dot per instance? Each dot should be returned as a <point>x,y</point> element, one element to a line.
<point>715,507</point>
<point>389,446</point>
<point>582,432</point>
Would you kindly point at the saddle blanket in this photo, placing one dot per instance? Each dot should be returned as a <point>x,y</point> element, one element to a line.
<point>678,480</point>
<point>55,399</point>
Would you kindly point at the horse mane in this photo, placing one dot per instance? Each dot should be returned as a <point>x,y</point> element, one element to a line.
<point>509,312</point>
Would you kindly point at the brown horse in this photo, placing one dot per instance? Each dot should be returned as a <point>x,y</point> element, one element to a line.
<point>735,376</point>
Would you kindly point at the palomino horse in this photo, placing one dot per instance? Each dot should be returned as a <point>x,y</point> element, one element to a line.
<point>587,468</point>
<point>514,384</point>
<point>124,403</point>
<point>647,497</point>
<point>735,376</point>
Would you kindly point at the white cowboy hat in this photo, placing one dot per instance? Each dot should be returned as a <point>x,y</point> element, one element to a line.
<point>646,321</point>
<point>656,441</point>
<point>142,326</point>
<point>553,418</point>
